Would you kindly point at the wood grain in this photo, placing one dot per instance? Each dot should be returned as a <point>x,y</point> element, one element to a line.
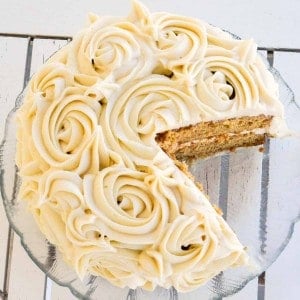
<point>269,22</point>
<point>282,280</point>
<point>12,64</point>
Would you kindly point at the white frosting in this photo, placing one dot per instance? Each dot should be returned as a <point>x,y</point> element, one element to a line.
<point>99,186</point>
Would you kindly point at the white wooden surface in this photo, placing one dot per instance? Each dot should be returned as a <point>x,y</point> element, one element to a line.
<point>271,23</point>
<point>12,64</point>
<point>283,277</point>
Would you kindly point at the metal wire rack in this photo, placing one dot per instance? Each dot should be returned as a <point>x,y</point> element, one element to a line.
<point>4,291</point>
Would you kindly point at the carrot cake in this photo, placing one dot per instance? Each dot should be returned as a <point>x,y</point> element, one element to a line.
<point>103,125</point>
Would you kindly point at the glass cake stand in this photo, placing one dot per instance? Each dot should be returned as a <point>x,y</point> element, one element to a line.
<point>258,191</point>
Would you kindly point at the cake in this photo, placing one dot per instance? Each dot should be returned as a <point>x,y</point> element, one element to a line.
<point>104,132</point>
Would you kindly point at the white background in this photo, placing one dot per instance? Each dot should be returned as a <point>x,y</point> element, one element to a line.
<point>270,23</point>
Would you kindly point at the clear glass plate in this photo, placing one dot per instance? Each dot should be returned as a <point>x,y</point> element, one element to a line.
<point>259,193</point>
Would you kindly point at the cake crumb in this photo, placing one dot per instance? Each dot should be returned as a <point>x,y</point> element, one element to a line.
<point>218,210</point>
<point>199,186</point>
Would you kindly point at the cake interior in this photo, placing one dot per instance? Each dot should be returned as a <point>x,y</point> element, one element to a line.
<point>208,138</point>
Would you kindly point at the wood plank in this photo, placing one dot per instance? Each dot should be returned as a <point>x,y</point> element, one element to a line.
<point>12,65</point>
<point>249,292</point>
<point>61,293</point>
<point>244,201</point>
<point>42,50</point>
<point>282,280</point>
<point>243,207</point>
<point>34,288</point>
<point>262,20</point>
<point>207,172</point>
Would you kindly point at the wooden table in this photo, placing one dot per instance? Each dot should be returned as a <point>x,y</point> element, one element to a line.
<point>32,30</point>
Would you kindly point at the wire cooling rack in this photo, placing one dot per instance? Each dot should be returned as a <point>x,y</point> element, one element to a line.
<point>4,291</point>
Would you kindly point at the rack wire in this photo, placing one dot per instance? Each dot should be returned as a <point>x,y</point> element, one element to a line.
<point>4,292</point>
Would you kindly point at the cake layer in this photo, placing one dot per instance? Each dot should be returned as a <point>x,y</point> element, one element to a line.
<point>202,148</point>
<point>207,138</point>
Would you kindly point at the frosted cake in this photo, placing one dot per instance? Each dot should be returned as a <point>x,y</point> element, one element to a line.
<point>103,134</point>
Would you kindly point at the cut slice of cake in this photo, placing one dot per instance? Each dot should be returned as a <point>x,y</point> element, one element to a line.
<point>238,96</point>
<point>208,138</point>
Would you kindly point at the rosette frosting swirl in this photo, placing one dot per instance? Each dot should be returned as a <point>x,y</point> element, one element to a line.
<point>51,81</point>
<point>118,50</point>
<point>64,132</point>
<point>180,40</point>
<point>119,267</point>
<point>98,184</point>
<point>69,223</point>
<point>124,206</point>
<point>191,244</point>
<point>224,83</point>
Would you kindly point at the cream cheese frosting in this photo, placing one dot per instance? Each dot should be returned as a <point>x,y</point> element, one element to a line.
<point>96,181</point>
